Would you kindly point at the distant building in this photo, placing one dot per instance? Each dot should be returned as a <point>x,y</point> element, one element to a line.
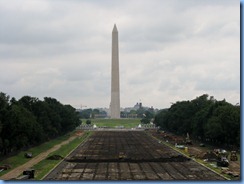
<point>136,107</point>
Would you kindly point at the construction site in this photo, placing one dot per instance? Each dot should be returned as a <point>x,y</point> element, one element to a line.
<point>129,155</point>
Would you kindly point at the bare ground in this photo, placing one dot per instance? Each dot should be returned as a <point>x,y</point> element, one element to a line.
<point>196,150</point>
<point>128,155</point>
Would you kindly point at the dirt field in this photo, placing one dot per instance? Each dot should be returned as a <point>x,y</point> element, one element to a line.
<point>197,151</point>
<point>128,155</point>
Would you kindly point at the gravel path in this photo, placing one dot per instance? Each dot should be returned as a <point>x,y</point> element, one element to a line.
<point>18,170</point>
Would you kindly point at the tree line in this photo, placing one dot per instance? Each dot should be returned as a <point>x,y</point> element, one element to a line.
<point>205,119</point>
<point>29,121</point>
<point>91,113</point>
<point>146,114</point>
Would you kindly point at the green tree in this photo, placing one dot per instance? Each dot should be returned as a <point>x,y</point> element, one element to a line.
<point>224,124</point>
<point>4,106</point>
<point>147,116</point>
<point>140,112</point>
<point>21,130</point>
<point>86,113</point>
<point>70,118</point>
<point>204,118</point>
<point>30,121</point>
<point>88,122</point>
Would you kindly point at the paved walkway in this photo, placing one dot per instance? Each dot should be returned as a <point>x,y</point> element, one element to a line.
<point>19,170</point>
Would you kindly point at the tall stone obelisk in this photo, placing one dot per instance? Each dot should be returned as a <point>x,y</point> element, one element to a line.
<point>115,93</point>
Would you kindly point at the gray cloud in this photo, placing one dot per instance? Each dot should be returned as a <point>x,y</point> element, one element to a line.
<point>170,50</point>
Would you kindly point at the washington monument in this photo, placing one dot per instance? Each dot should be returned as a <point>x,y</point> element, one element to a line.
<point>115,94</point>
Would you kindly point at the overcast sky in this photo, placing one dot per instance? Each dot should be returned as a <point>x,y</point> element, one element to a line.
<point>170,50</point>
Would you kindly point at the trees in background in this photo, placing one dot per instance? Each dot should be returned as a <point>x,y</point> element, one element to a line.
<point>30,121</point>
<point>147,116</point>
<point>204,118</point>
<point>92,113</point>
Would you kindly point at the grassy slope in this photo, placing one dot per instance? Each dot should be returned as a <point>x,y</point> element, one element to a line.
<point>19,159</point>
<point>43,167</point>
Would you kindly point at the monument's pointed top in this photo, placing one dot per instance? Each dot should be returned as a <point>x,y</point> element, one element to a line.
<point>115,28</point>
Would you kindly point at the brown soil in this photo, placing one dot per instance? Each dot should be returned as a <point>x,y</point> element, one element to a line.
<point>200,152</point>
<point>128,155</point>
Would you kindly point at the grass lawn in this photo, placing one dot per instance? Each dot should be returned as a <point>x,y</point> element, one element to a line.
<point>127,123</point>
<point>20,159</point>
<point>43,167</point>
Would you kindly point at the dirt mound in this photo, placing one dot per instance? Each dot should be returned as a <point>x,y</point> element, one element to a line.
<point>229,172</point>
<point>55,157</point>
<point>207,155</point>
<point>5,167</point>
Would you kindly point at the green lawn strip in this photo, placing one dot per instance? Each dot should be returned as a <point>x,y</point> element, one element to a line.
<point>45,166</point>
<point>127,123</point>
<point>20,159</point>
